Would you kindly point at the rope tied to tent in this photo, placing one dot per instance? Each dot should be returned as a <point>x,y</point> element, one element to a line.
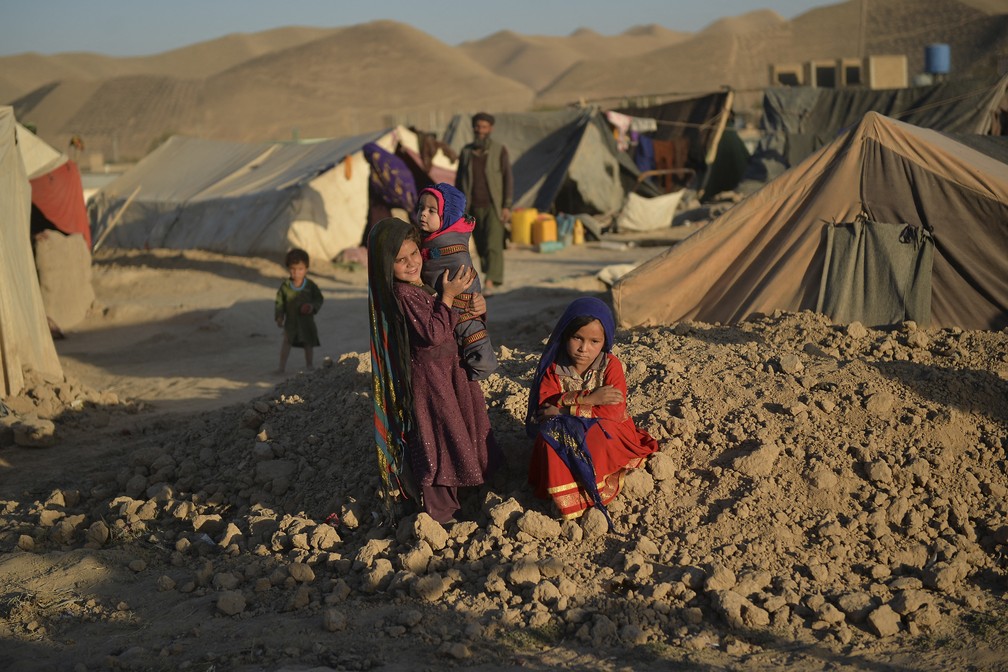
<point>945,101</point>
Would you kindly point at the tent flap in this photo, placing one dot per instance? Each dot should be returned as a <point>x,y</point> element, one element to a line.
<point>876,273</point>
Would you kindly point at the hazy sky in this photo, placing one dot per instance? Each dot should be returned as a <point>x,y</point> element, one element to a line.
<point>140,27</point>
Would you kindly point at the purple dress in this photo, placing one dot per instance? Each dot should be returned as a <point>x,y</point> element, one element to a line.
<point>453,444</point>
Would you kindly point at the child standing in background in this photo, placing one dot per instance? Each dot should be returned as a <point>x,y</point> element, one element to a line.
<point>445,232</point>
<point>297,301</point>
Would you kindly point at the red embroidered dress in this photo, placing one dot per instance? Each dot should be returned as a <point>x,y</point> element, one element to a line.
<point>615,442</point>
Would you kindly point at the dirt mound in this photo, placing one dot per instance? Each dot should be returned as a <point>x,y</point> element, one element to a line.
<point>821,492</point>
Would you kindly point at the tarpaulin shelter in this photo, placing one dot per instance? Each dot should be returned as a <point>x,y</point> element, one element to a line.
<point>562,160</point>
<point>799,120</point>
<point>888,222</point>
<point>25,341</point>
<point>243,198</point>
<point>687,135</point>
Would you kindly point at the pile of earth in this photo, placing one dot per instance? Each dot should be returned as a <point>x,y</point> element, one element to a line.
<point>819,488</point>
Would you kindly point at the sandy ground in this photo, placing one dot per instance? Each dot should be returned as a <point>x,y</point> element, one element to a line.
<point>827,496</point>
<point>191,331</point>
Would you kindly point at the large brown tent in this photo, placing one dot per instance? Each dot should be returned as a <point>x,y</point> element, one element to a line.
<point>25,341</point>
<point>888,222</point>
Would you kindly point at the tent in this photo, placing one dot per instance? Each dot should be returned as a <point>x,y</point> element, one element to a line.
<point>25,341</point>
<point>57,191</point>
<point>888,222</point>
<point>63,261</point>
<point>562,160</point>
<point>687,136</point>
<point>243,198</point>
<point>799,120</point>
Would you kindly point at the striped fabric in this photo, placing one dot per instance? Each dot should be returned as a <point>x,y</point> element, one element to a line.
<point>390,367</point>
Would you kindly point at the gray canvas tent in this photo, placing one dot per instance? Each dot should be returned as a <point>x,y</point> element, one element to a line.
<point>241,198</point>
<point>25,341</point>
<point>799,120</point>
<point>563,160</point>
<point>888,222</point>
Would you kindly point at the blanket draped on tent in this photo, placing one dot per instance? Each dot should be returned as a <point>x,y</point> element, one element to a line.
<point>391,179</point>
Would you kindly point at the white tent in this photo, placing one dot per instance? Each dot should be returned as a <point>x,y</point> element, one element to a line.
<point>25,341</point>
<point>242,198</point>
<point>39,156</point>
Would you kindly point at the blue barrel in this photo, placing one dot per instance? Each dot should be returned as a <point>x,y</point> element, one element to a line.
<point>937,59</point>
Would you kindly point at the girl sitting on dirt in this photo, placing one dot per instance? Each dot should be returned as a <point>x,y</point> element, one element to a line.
<point>584,438</point>
<point>431,425</point>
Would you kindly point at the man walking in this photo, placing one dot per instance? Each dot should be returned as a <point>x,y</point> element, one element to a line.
<point>484,176</point>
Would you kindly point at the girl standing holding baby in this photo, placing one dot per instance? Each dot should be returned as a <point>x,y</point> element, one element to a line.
<point>431,425</point>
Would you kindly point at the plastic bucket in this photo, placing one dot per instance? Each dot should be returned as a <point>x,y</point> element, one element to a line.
<point>521,225</point>
<point>544,229</point>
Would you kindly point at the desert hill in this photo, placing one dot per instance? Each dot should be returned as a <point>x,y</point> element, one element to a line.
<point>537,60</point>
<point>304,82</point>
<point>23,72</point>
<point>738,51</point>
<point>349,81</point>
<point>355,80</point>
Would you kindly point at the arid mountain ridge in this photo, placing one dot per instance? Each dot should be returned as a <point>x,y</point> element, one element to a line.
<point>318,82</point>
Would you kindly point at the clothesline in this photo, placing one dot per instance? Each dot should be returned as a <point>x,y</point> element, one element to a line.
<point>713,121</point>
<point>678,95</point>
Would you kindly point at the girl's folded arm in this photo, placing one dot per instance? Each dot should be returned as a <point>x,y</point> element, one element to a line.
<point>613,376</point>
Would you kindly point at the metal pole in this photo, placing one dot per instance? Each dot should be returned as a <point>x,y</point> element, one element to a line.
<point>862,42</point>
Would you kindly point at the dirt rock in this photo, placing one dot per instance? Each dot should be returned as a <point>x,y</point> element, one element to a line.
<point>884,621</point>
<point>231,602</point>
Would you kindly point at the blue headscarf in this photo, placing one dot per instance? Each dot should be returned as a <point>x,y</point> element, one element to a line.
<point>565,434</point>
<point>586,306</point>
<point>451,203</point>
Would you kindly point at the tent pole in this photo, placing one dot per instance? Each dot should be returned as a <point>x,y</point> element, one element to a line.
<point>115,220</point>
<point>716,140</point>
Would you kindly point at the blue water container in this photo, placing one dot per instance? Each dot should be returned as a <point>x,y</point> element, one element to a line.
<point>937,59</point>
